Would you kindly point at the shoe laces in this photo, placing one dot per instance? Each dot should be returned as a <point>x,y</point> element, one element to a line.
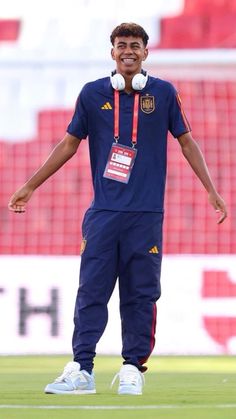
<point>72,368</point>
<point>129,377</point>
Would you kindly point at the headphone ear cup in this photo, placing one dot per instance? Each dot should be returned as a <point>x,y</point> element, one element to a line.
<point>139,81</point>
<point>117,81</point>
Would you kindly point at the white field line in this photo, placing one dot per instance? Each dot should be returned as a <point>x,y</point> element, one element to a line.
<point>118,407</point>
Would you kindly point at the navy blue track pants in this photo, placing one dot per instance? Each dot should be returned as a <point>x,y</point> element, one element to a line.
<point>127,246</point>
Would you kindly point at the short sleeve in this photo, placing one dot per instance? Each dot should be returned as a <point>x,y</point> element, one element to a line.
<point>78,127</point>
<point>178,122</point>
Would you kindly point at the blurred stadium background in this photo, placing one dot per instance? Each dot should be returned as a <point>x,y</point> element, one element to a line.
<point>48,51</point>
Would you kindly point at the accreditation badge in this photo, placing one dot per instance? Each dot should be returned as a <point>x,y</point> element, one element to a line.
<point>120,163</point>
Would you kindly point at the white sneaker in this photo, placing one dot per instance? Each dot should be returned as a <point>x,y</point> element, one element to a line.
<point>131,380</point>
<point>72,381</point>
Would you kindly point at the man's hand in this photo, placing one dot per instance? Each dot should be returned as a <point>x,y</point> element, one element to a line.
<point>19,199</point>
<point>218,203</point>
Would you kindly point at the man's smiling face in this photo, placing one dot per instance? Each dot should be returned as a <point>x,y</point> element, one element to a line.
<point>129,52</point>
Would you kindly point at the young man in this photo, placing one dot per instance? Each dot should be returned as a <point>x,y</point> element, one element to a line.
<point>122,230</point>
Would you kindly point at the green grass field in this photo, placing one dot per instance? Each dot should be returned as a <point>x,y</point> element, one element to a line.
<point>176,387</point>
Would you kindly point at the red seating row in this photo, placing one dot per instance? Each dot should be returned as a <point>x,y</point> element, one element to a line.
<point>199,31</point>
<point>52,223</point>
<point>209,7</point>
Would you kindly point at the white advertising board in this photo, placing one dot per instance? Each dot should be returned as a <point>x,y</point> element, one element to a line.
<point>195,315</point>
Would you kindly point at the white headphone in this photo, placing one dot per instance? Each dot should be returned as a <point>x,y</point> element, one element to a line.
<point>138,82</point>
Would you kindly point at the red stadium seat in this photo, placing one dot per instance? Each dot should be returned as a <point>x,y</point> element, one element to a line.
<point>208,7</point>
<point>203,24</point>
<point>9,29</point>
<point>222,30</point>
<point>184,32</point>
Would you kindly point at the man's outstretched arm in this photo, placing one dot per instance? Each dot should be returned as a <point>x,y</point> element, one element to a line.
<point>194,156</point>
<point>62,152</point>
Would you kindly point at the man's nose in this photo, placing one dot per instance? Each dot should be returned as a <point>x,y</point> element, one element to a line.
<point>128,49</point>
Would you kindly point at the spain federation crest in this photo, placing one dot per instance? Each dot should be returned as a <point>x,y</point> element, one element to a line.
<point>147,103</point>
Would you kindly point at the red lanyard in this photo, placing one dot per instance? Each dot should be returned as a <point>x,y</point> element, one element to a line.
<point>117,117</point>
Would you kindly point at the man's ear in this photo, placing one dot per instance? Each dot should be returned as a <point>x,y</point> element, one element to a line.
<point>145,54</point>
<point>112,54</point>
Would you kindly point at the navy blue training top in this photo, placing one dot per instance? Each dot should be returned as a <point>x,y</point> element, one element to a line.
<point>160,111</point>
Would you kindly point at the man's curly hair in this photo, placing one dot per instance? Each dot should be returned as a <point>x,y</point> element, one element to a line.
<point>129,29</point>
